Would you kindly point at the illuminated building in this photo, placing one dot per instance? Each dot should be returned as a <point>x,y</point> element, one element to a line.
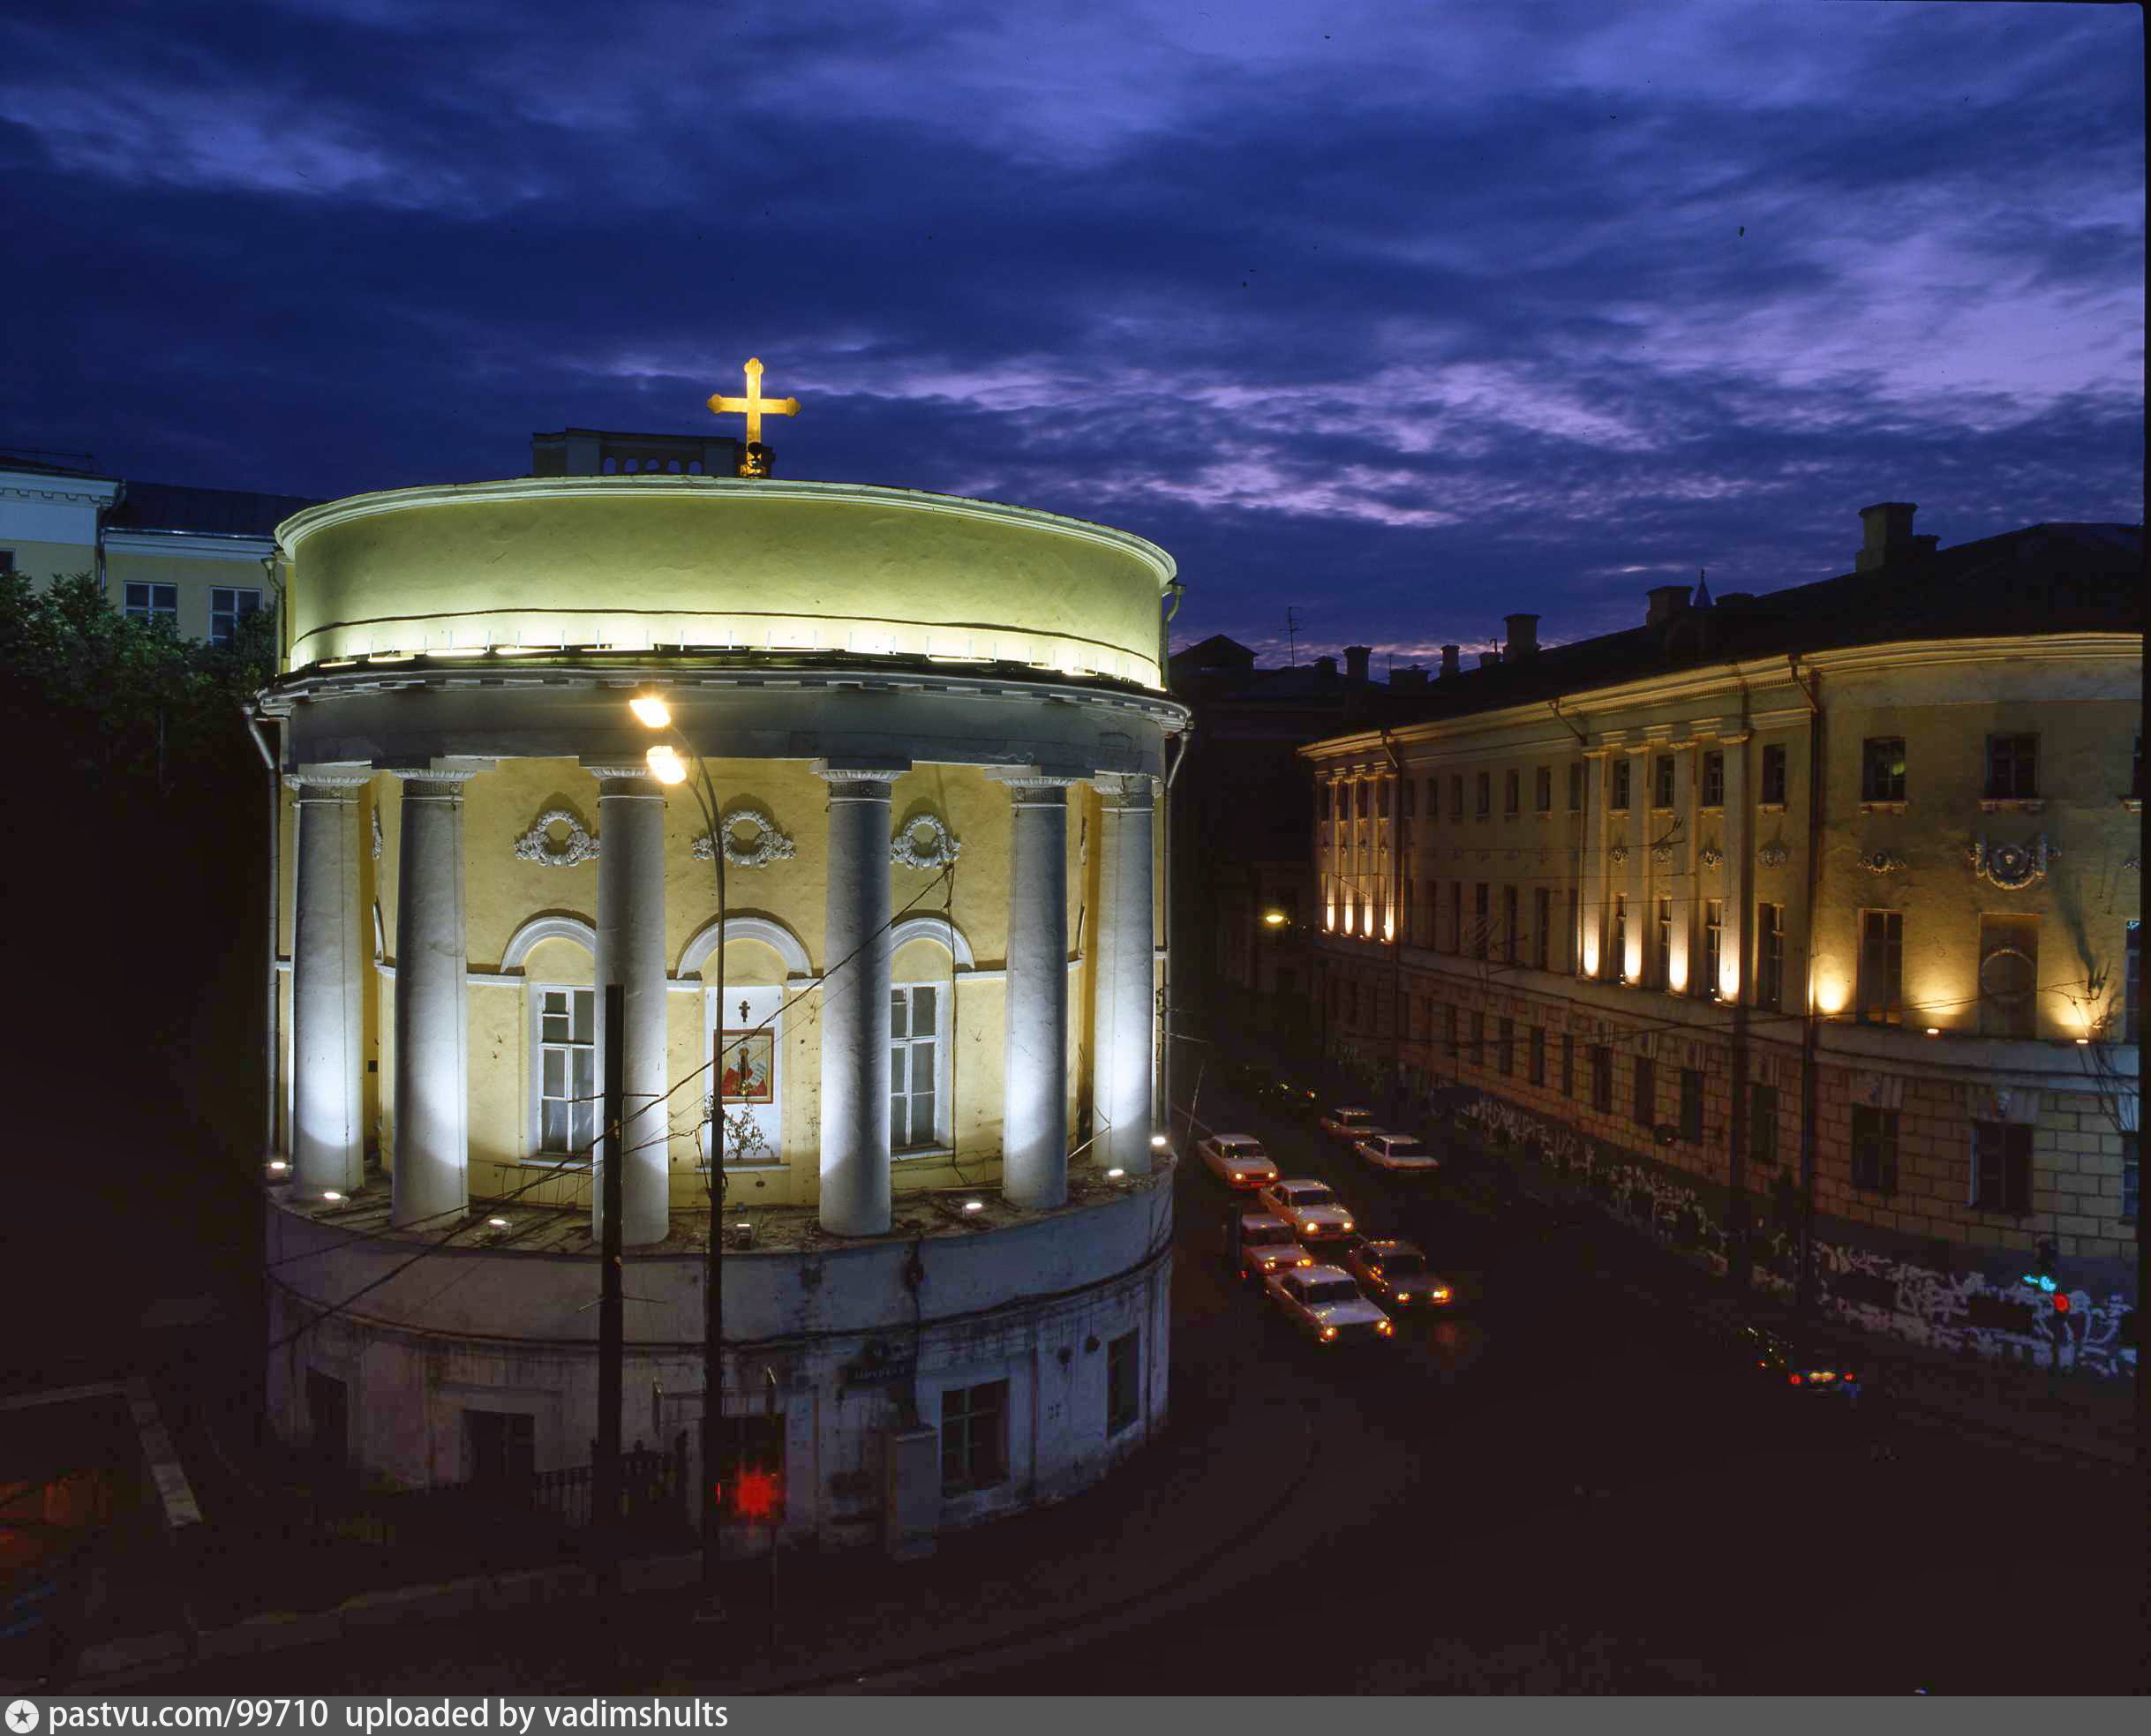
<point>934,728</point>
<point>1801,897</point>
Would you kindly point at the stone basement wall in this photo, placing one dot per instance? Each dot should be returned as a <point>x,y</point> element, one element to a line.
<point>1865,1277</point>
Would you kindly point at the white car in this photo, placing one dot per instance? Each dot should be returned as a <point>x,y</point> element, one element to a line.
<point>1268,1245</point>
<point>1349,1124</point>
<point>1237,1160</point>
<point>1399,1152</point>
<point>1315,1213</point>
<point>1325,1304</point>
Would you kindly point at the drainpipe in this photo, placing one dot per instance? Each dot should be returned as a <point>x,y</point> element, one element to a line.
<point>1804,1288</point>
<point>1163,1097</point>
<point>254,728</point>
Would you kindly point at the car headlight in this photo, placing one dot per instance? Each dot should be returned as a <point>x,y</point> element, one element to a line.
<point>1383,1326</point>
<point>1441,1294</point>
<point>1328,1332</point>
<point>1304,1259</point>
<point>1348,1223</point>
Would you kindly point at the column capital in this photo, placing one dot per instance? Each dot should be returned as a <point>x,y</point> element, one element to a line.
<point>635,774</point>
<point>1737,738</point>
<point>452,775</point>
<point>1028,784</point>
<point>1126,791</point>
<point>341,785</point>
<point>863,780</point>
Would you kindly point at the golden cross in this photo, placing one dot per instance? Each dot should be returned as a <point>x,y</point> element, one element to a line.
<point>753,404</point>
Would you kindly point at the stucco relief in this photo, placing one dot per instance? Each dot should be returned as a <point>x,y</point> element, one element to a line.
<point>1618,855</point>
<point>1774,854</point>
<point>577,847</point>
<point>1882,862</point>
<point>1711,856</point>
<point>2012,866</point>
<point>752,839</point>
<point>1661,853</point>
<point>924,842</point>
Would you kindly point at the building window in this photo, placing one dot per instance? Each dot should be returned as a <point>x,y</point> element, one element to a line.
<point>1408,793</point>
<point>2001,1166</point>
<point>1457,916</point>
<point>1542,789</point>
<point>1661,961</point>
<point>1617,959</point>
<point>1485,795</point>
<point>1321,802</point>
<point>1433,797</point>
<point>974,1437</point>
<point>1123,1394</point>
<point>914,1074</point>
<point>1713,944</point>
<point>1483,919</point>
<point>1661,785</point>
<point>500,1445</point>
<point>1512,939</point>
<point>1568,1065</point>
<point>1542,926</point>
<point>2012,768</point>
<point>1691,1104</point>
<point>1763,1122</point>
<point>1602,1078</point>
<point>1875,1149</point>
<point>1449,1032</point>
<point>7,560</point>
<point>566,1072</point>
<point>1508,1051</point>
<point>1645,1108</point>
<point>1512,793</point>
<point>2008,976</point>
<point>1714,779</point>
<point>1769,957</point>
<point>1773,776</point>
<point>328,1419</point>
<point>1620,802</point>
<point>2131,980</point>
<point>1478,1040</point>
<point>228,607</point>
<point>1568,935</point>
<point>152,603</point>
<point>1882,967</point>
<point>1362,801</point>
<point>1456,796</point>
<point>2129,1177</point>
<point>1882,768</point>
<point>1539,1055</point>
<point>1576,787</point>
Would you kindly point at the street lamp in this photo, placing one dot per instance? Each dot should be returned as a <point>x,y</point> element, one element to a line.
<point>668,767</point>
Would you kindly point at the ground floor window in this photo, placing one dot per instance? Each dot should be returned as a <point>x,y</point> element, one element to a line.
<point>328,1418</point>
<point>1646,1110</point>
<point>1539,1055</point>
<point>1124,1400</point>
<point>1567,1065</point>
<point>152,603</point>
<point>2001,1166</point>
<point>1602,1078</point>
<point>1875,1149</point>
<point>974,1437</point>
<point>1691,1105</point>
<point>230,605</point>
<point>2130,1178</point>
<point>1763,1122</point>
<point>499,1445</point>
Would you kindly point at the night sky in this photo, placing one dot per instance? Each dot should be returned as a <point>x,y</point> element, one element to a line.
<point>1408,316</point>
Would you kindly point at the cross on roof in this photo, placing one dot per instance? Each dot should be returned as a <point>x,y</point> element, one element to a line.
<point>755,462</point>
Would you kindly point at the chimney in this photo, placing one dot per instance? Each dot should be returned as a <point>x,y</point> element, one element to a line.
<point>1408,681</point>
<point>1489,659</point>
<point>1356,662</point>
<point>1666,601</point>
<point>1523,635</point>
<point>1448,660</point>
<point>1324,670</point>
<point>1889,534</point>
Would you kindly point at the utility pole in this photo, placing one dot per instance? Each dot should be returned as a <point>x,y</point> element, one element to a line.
<point>604,1506</point>
<point>1292,637</point>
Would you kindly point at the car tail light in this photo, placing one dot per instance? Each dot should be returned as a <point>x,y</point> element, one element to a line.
<point>1441,1294</point>
<point>1794,1379</point>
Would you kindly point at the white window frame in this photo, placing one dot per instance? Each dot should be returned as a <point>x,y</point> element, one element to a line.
<point>232,616</point>
<point>534,1152</point>
<point>941,1143</point>
<point>152,610</point>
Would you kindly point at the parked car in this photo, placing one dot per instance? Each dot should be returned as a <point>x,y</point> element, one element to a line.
<point>1237,1160</point>
<point>1266,1244</point>
<point>1315,1213</point>
<point>1400,1153</point>
<point>1396,1272</point>
<point>1350,1124</point>
<point>1289,1097</point>
<point>1781,1355</point>
<point>1324,1304</point>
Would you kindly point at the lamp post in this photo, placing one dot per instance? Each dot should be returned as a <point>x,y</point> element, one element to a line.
<point>668,768</point>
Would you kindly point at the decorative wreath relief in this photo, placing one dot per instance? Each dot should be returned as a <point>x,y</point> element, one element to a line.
<point>924,843</point>
<point>751,839</point>
<point>1774,854</point>
<point>1713,856</point>
<point>536,844</point>
<point>1661,853</point>
<point>2012,866</point>
<point>1618,855</point>
<point>1882,862</point>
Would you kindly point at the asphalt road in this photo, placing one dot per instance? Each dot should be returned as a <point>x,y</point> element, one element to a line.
<point>1560,1486</point>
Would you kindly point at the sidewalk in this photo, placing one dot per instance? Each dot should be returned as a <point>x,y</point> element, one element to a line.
<point>2071,1412</point>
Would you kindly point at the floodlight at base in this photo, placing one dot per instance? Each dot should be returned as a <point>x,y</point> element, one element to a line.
<point>666,765</point>
<point>650,711</point>
<point>1157,1142</point>
<point>331,1193</point>
<point>277,1166</point>
<point>1115,1175</point>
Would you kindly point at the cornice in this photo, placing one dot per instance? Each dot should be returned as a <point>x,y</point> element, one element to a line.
<point>74,492</point>
<point>188,546</point>
<point>295,530</point>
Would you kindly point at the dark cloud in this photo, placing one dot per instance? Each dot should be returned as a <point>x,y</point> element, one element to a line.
<point>1405,320</point>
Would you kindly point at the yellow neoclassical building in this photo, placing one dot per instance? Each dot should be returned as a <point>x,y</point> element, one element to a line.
<point>1807,918</point>
<point>932,732</point>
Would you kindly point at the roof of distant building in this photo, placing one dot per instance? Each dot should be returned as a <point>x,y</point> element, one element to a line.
<point>203,512</point>
<point>37,461</point>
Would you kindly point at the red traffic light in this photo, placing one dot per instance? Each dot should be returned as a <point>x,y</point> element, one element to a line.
<point>2061,1302</point>
<point>756,1494</point>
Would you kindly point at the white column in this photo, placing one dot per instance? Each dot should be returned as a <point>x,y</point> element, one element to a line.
<point>432,1068</point>
<point>855,958</point>
<point>1035,1092</point>
<point>327,956</point>
<point>1733,872</point>
<point>1685,967</point>
<point>1638,875</point>
<point>1597,898</point>
<point>1125,955</point>
<point>631,953</point>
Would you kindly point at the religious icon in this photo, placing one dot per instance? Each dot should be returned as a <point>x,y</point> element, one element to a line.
<point>747,1072</point>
